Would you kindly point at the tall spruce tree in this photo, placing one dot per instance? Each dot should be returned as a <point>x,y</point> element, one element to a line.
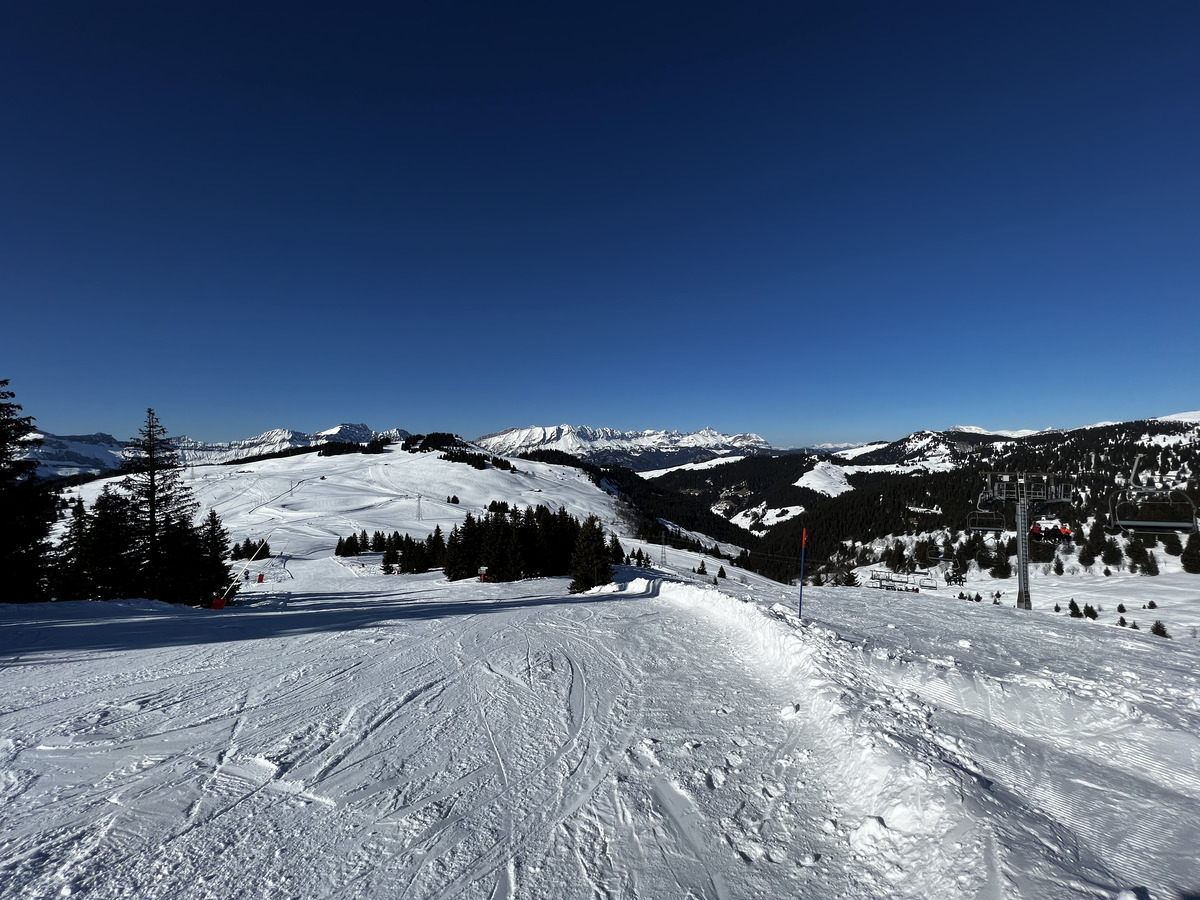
<point>26,506</point>
<point>435,544</point>
<point>590,563</point>
<point>214,573</point>
<point>161,502</point>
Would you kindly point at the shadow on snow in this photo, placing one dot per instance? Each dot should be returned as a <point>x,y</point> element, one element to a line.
<point>30,631</point>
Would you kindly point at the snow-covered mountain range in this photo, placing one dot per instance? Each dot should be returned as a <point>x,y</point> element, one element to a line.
<point>61,456</point>
<point>280,439</point>
<point>640,450</point>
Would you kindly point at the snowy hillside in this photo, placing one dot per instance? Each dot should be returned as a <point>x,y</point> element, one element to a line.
<point>95,454</point>
<point>342,733</point>
<point>640,450</point>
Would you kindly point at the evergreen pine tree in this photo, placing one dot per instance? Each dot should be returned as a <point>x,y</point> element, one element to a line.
<point>1087,556</point>
<point>213,572</point>
<point>590,565</point>
<point>721,572</point>
<point>1135,549</point>
<point>26,507</point>
<point>1158,628</point>
<point>436,548</point>
<point>182,559</point>
<point>1172,546</point>
<point>114,563</point>
<point>161,503</point>
<point>71,579</point>
<point>1150,566</point>
<point>616,553</point>
<point>1190,557</point>
<point>452,560</point>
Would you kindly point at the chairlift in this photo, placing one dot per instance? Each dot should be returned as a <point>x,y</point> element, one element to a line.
<point>985,520</point>
<point>1147,509</point>
<point>1157,511</point>
<point>935,555</point>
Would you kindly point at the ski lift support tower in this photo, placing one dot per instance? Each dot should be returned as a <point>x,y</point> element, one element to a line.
<point>1023,488</point>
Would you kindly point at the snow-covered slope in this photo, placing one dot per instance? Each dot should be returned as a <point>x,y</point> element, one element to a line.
<point>641,450</point>
<point>825,478</point>
<point>344,733</point>
<point>693,467</point>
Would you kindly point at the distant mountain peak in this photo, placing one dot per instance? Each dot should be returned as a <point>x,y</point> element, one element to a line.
<point>640,450</point>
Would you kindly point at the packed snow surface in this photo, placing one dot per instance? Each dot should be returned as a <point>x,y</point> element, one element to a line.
<point>342,733</point>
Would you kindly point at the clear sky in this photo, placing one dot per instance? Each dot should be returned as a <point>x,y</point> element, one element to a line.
<point>818,221</point>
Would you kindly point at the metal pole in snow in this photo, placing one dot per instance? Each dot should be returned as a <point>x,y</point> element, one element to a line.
<point>803,544</point>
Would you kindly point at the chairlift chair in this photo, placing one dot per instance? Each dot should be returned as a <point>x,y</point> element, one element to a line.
<point>1152,511</point>
<point>1143,509</point>
<point>935,557</point>
<point>985,520</point>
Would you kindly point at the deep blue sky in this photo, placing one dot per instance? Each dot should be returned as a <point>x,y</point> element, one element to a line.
<point>816,221</point>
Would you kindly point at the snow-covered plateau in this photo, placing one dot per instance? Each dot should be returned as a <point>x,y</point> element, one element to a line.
<point>338,732</point>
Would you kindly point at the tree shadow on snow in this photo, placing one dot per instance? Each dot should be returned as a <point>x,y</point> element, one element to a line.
<point>95,625</point>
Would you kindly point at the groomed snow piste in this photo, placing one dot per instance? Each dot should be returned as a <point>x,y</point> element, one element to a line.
<point>342,733</point>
